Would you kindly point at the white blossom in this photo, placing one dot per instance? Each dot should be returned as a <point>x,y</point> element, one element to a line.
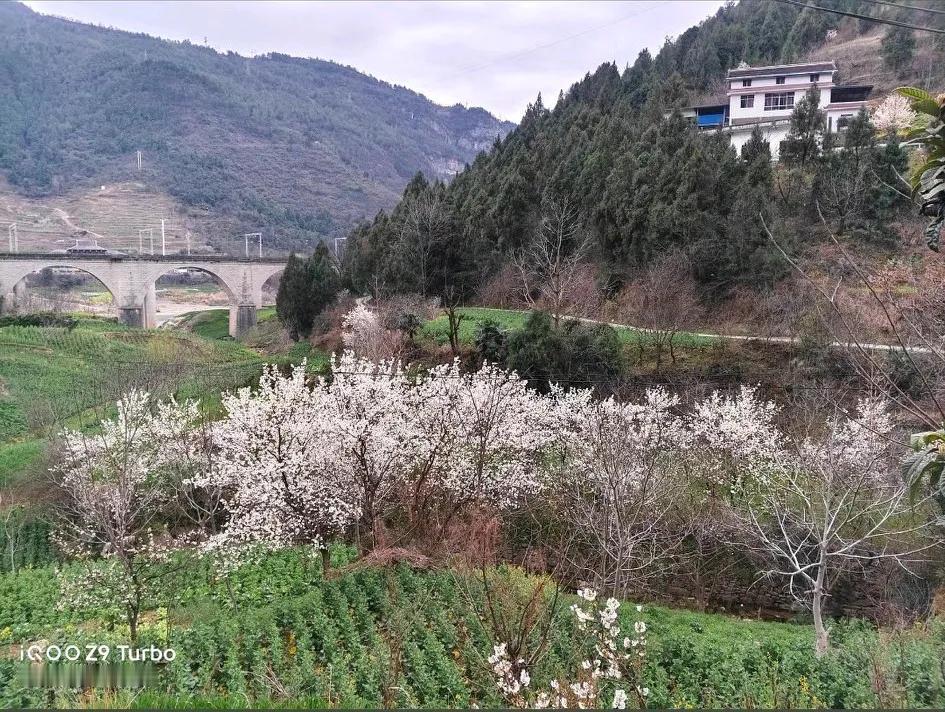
<point>894,115</point>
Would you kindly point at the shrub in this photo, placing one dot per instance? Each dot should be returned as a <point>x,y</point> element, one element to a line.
<point>40,319</point>
<point>492,344</point>
<point>574,355</point>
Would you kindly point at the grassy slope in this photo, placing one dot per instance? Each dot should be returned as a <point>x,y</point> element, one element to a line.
<point>51,377</point>
<point>332,640</point>
<point>509,319</point>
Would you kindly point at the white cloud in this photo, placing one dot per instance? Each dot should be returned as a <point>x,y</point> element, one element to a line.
<point>498,55</point>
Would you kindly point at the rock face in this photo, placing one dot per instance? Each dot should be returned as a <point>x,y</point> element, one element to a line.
<point>300,148</point>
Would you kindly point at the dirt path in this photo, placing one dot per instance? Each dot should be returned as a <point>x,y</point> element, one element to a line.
<point>67,221</point>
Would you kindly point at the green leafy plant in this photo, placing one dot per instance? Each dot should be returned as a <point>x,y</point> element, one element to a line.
<point>927,462</point>
<point>928,179</point>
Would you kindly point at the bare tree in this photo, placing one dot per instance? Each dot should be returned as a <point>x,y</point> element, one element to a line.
<point>549,264</point>
<point>663,299</point>
<point>454,317</point>
<point>12,525</point>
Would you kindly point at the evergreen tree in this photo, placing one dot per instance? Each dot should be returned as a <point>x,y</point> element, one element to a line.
<point>847,184</point>
<point>808,125</point>
<point>292,299</point>
<point>749,257</point>
<point>307,287</point>
<point>898,48</point>
<point>324,281</point>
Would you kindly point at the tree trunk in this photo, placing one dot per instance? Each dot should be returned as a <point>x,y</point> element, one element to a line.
<point>821,640</point>
<point>326,560</point>
<point>132,616</point>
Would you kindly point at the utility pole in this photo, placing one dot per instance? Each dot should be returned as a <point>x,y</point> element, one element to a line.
<point>257,236</point>
<point>163,242</point>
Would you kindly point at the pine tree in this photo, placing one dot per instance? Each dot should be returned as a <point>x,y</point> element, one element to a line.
<point>292,298</point>
<point>808,124</point>
<point>307,287</point>
<point>323,280</point>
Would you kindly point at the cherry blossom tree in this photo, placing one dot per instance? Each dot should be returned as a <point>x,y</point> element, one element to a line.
<point>480,439</point>
<point>732,440</point>
<point>278,467</point>
<point>364,332</point>
<point>116,482</point>
<point>895,114</point>
<point>366,413</point>
<point>836,503</point>
<point>619,484</point>
<point>301,462</point>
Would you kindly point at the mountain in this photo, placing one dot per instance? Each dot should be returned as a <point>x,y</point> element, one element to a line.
<point>297,148</point>
<point>645,183</point>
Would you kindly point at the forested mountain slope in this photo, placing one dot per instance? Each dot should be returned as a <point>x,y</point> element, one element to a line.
<point>645,186</point>
<point>299,148</point>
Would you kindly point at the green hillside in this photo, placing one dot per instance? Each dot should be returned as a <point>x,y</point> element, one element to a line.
<point>299,147</point>
<point>643,183</point>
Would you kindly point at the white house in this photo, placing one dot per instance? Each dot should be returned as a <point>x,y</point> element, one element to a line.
<point>765,97</point>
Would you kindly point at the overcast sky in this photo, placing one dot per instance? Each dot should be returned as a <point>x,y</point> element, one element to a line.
<point>497,55</point>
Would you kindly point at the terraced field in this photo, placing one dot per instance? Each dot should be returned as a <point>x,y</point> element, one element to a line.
<point>55,376</point>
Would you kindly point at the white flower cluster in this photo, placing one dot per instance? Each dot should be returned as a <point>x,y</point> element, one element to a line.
<point>733,438</point>
<point>363,332</point>
<point>856,445</point>
<point>511,676</point>
<point>614,658</point>
<point>894,115</point>
<point>301,461</point>
<point>112,475</point>
<point>298,460</point>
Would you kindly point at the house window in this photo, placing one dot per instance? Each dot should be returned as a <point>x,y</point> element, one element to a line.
<point>779,101</point>
<point>746,82</point>
<point>779,80</point>
<point>815,78</point>
<point>748,101</point>
<point>844,121</point>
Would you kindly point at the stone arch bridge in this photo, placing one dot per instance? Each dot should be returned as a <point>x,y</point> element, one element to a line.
<point>131,280</point>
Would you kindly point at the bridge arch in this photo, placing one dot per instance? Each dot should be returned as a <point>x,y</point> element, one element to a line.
<point>14,288</point>
<point>132,280</point>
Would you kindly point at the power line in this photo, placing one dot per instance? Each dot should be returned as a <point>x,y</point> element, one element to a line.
<point>877,20</point>
<point>908,7</point>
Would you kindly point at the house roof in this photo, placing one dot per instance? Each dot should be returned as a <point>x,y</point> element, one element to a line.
<point>779,69</point>
<point>712,102</point>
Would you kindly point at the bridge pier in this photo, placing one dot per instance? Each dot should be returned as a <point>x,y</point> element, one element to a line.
<point>242,319</point>
<point>132,316</point>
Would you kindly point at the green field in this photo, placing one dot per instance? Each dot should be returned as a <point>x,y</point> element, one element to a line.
<point>316,642</point>
<point>53,377</point>
<point>510,319</point>
<point>215,323</point>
